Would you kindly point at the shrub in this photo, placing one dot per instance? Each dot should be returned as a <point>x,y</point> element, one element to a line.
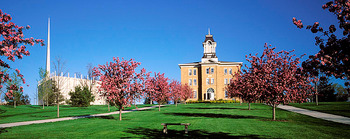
<point>81,97</point>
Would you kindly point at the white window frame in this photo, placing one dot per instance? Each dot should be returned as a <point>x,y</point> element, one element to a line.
<point>194,81</point>
<point>225,82</point>
<point>189,72</point>
<point>230,70</point>
<point>225,71</point>
<point>195,94</point>
<point>190,82</point>
<point>194,71</point>
<point>212,80</point>
<point>212,70</point>
<point>208,81</point>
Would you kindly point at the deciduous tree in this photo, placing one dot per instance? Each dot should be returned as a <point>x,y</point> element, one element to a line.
<point>44,87</point>
<point>334,51</point>
<point>59,81</point>
<point>12,46</point>
<point>279,77</point>
<point>186,92</point>
<point>246,85</point>
<point>160,88</point>
<point>15,95</point>
<point>120,82</point>
<point>175,89</point>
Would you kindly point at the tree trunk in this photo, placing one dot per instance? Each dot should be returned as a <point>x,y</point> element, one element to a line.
<point>176,103</point>
<point>14,104</point>
<point>47,100</point>
<point>248,105</point>
<point>185,102</point>
<point>274,112</point>
<point>58,108</point>
<point>108,107</point>
<point>240,101</point>
<point>316,93</point>
<point>120,114</point>
<point>43,103</point>
<point>151,102</point>
<point>159,107</point>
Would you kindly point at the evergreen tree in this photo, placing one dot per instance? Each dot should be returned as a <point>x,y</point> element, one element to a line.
<point>81,97</point>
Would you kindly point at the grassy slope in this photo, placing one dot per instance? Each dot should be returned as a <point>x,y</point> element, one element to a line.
<point>207,120</point>
<point>8,114</point>
<point>338,108</point>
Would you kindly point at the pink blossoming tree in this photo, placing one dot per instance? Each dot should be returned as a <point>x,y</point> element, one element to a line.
<point>246,85</point>
<point>160,88</point>
<point>186,92</point>
<point>120,83</point>
<point>333,56</point>
<point>12,46</point>
<point>274,77</point>
<point>175,89</point>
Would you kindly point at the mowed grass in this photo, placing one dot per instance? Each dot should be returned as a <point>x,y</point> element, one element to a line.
<point>8,114</point>
<point>207,121</point>
<point>338,108</point>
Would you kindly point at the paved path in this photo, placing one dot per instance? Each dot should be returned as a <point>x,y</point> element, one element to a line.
<point>316,114</point>
<point>69,118</point>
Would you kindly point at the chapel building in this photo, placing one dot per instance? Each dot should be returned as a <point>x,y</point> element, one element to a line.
<point>209,77</point>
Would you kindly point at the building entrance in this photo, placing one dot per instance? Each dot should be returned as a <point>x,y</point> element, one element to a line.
<point>210,94</point>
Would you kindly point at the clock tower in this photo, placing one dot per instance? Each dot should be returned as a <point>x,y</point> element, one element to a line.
<point>209,45</point>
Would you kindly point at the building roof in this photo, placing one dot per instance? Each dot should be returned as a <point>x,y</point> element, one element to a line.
<point>209,37</point>
<point>220,63</point>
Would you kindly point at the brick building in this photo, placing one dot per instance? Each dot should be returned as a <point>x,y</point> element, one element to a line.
<point>209,77</point>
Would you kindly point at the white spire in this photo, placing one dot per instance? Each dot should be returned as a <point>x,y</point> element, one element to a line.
<point>208,31</point>
<point>48,49</point>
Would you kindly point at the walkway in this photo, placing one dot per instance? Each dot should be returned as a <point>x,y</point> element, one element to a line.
<point>316,114</point>
<point>69,118</point>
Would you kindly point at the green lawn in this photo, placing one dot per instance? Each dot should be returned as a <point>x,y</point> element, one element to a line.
<point>207,120</point>
<point>338,108</point>
<point>8,114</point>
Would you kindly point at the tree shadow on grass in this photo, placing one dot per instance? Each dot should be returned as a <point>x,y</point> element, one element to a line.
<point>212,115</point>
<point>211,108</point>
<point>3,130</point>
<point>102,117</point>
<point>158,134</point>
<point>2,111</point>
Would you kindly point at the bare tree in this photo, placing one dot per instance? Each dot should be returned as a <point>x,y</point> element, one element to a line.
<point>59,79</point>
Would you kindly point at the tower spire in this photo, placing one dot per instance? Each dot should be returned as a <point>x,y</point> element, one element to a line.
<point>48,50</point>
<point>208,31</point>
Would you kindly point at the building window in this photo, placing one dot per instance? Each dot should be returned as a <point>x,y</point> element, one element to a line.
<point>226,81</point>
<point>194,81</point>
<point>230,81</point>
<point>225,71</point>
<point>190,72</point>
<point>190,81</point>
<point>194,94</point>
<point>212,70</point>
<point>207,80</point>
<point>230,71</point>
<point>207,70</point>
<point>226,94</point>
<point>212,80</point>
<point>194,72</point>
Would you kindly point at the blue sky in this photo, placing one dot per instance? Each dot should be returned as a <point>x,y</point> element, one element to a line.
<point>160,34</point>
